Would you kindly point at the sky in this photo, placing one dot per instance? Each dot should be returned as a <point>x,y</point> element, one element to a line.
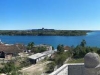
<point>50,14</point>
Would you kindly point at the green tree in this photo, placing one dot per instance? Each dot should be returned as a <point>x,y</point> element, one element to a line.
<point>60,59</point>
<point>83,43</point>
<point>41,49</point>
<point>30,45</point>
<point>60,48</point>
<point>98,51</point>
<point>50,67</point>
<point>79,51</point>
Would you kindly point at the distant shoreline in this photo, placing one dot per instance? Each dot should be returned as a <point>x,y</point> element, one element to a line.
<point>44,32</point>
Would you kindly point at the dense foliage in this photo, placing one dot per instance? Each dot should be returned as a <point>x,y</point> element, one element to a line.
<point>75,53</point>
<point>50,67</point>
<point>59,58</point>
<point>80,50</point>
<point>60,49</point>
<point>37,49</point>
<point>10,69</point>
<point>13,67</point>
<point>44,32</point>
<point>30,45</point>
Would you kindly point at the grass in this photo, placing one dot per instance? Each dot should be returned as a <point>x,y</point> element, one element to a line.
<point>79,60</point>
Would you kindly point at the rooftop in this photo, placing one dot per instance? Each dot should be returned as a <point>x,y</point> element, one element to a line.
<point>15,48</point>
<point>37,55</point>
<point>48,52</point>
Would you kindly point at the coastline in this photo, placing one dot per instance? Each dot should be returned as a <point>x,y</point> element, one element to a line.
<point>44,32</point>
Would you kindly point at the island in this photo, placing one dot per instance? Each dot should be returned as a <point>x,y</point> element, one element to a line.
<point>44,32</point>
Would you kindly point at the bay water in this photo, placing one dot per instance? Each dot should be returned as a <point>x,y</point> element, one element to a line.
<point>92,39</point>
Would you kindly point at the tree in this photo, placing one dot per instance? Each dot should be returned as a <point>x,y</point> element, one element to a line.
<point>30,45</point>
<point>83,43</point>
<point>50,67</point>
<point>41,49</point>
<point>59,59</point>
<point>79,51</point>
<point>72,50</point>
<point>60,48</point>
<point>98,51</point>
<point>52,48</point>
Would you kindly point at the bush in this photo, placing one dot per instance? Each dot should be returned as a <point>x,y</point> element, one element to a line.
<point>50,67</point>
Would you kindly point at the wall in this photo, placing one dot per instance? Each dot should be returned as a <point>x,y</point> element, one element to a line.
<point>63,70</point>
<point>70,69</point>
<point>75,69</point>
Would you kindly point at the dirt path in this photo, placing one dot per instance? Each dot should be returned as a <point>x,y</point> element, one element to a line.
<point>36,69</point>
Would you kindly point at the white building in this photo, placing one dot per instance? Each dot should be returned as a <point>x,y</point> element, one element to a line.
<point>36,57</point>
<point>40,56</point>
<point>48,53</point>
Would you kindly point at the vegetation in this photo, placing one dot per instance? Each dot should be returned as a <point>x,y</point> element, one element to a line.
<point>60,49</point>
<point>30,45</point>
<point>50,67</point>
<point>44,32</point>
<point>61,55</point>
<point>59,58</point>
<point>80,50</point>
<point>37,49</point>
<point>25,63</point>
<point>10,69</point>
<point>75,53</point>
<point>79,60</point>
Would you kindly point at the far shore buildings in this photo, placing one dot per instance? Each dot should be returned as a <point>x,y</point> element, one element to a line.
<point>91,66</point>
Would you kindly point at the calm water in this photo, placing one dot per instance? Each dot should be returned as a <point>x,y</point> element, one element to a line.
<point>92,39</point>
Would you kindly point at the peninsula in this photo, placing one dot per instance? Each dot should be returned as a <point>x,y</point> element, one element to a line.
<point>44,32</point>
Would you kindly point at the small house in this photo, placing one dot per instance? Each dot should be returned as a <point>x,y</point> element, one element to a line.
<point>40,56</point>
<point>9,50</point>
<point>36,57</point>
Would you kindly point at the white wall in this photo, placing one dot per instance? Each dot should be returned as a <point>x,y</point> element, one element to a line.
<point>70,69</point>
<point>63,70</point>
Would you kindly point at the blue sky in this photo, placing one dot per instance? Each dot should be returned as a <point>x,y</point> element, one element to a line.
<point>56,14</point>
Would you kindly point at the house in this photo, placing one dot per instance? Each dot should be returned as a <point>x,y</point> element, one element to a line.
<point>40,56</point>
<point>2,54</point>
<point>36,57</point>
<point>67,48</point>
<point>9,50</point>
